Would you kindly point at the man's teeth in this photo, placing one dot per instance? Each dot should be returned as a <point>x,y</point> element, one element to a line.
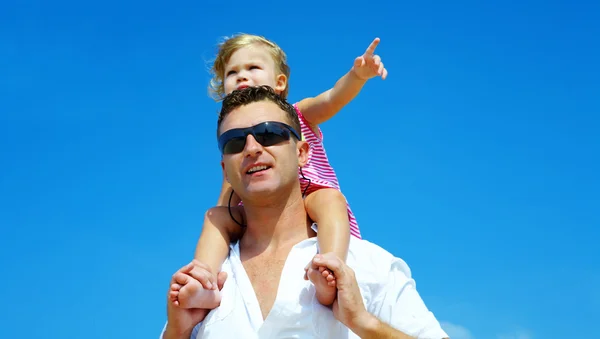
<point>257,168</point>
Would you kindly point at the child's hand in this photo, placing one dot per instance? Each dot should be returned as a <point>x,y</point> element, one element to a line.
<point>369,65</point>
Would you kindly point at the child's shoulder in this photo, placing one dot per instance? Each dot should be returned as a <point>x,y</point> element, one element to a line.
<point>307,128</point>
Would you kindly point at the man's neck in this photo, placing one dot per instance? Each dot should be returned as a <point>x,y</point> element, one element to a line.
<point>281,223</point>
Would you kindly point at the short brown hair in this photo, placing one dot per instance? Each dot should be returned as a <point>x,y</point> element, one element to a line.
<point>230,46</point>
<point>249,95</point>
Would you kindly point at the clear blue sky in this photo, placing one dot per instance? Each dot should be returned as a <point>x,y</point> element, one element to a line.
<point>476,160</point>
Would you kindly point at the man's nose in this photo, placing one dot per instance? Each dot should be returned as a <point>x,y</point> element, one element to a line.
<point>252,146</point>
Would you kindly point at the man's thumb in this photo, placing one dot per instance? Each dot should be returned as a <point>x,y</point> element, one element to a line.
<point>221,277</point>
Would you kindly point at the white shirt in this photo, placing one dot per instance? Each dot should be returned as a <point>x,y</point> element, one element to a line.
<point>385,283</point>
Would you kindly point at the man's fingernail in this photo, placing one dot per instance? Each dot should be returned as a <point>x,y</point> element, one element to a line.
<point>209,285</point>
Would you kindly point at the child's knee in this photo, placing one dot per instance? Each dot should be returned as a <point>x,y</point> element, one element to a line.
<point>328,195</point>
<point>217,213</point>
<point>325,201</point>
<point>219,217</point>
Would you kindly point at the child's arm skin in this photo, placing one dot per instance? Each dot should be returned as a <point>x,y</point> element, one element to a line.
<point>324,106</point>
<point>328,207</point>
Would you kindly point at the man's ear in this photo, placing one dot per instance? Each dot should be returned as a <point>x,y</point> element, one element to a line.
<point>281,83</point>
<point>302,149</point>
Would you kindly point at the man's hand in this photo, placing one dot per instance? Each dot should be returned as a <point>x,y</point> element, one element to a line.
<point>348,307</point>
<point>181,321</point>
<point>369,64</point>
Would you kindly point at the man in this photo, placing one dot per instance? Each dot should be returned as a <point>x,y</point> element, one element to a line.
<point>263,293</point>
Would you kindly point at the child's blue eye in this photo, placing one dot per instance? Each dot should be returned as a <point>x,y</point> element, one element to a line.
<point>230,73</point>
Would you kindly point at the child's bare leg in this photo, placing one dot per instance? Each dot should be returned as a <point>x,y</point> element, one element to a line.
<point>327,207</point>
<point>212,249</point>
<point>225,194</point>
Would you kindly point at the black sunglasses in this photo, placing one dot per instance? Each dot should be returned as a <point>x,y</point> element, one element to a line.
<point>268,133</point>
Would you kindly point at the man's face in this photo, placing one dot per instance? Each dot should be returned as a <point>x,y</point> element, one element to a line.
<point>258,170</point>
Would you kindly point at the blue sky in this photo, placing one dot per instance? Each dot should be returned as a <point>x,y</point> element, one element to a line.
<point>474,161</point>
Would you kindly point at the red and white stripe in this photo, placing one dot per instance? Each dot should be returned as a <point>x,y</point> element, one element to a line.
<point>319,170</point>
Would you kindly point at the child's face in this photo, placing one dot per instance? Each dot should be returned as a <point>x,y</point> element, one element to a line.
<point>252,66</point>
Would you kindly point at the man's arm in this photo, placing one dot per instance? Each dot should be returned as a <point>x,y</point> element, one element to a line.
<point>373,328</point>
<point>324,106</point>
<point>171,333</point>
<point>350,310</point>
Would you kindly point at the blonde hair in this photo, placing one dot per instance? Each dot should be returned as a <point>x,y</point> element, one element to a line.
<point>230,46</point>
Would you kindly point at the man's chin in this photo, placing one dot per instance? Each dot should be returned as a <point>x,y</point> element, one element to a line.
<point>266,190</point>
<point>260,191</point>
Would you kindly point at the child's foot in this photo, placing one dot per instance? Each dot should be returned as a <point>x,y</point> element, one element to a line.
<point>324,282</point>
<point>194,295</point>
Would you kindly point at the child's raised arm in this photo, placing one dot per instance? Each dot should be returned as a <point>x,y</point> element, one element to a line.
<point>324,106</point>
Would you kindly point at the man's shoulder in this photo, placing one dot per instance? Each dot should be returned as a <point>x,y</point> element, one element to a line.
<point>372,262</point>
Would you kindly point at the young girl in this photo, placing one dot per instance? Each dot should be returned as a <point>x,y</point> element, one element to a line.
<point>249,60</point>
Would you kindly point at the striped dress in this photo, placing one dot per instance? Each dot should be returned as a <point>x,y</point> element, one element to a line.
<point>318,169</point>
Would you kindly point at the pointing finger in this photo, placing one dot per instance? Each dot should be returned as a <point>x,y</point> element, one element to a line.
<point>371,49</point>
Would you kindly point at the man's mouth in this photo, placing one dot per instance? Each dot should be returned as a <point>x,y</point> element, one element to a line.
<point>257,169</point>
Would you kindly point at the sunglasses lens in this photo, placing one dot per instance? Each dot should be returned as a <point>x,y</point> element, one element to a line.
<point>272,135</point>
<point>234,145</point>
<point>266,134</point>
